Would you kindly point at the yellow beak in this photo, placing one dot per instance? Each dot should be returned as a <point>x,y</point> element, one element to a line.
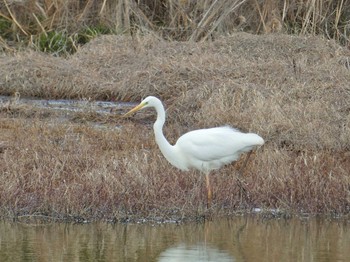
<point>135,109</point>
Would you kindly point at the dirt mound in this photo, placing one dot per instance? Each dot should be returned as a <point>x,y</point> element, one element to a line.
<point>141,66</point>
<point>41,75</point>
<point>130,68</point>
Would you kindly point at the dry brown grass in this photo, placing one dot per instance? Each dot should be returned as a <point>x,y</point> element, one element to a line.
<point>74,171</point>
<point>293,91</point>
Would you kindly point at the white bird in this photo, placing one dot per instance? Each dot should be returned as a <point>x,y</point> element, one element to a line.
<point>202,149</point>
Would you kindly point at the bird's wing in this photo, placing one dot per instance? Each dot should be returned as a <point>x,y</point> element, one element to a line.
<point>214,143</point>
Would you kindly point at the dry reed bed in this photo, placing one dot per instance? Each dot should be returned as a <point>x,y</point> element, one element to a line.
<point>184,19</point>
<point>292,91</point>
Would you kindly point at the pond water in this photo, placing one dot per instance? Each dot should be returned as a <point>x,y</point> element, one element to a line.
<point>245,238</point>
<point>65,105</point>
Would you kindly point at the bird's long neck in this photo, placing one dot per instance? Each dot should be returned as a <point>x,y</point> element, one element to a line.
<point>164,145</point>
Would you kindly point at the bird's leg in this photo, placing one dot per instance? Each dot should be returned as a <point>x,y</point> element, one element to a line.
<point>239,182</point>
<point>208,191</point>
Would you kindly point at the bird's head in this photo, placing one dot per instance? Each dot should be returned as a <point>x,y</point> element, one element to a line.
<point>149,101</point>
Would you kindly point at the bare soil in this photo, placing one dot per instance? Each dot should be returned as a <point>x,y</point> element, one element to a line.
<point>293,91</point>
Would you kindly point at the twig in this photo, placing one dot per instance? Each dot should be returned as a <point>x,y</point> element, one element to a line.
<point>14,18</point>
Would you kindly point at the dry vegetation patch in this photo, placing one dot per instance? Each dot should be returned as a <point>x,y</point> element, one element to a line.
<point>293,91</point>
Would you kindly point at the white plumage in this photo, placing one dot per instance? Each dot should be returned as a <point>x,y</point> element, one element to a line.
<point>209,149</point>
<point>202,149</point>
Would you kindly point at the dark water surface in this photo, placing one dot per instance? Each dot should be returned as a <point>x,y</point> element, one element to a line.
<point>243,238</point>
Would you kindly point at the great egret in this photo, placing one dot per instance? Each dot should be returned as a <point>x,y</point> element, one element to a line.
<point>202,149</point>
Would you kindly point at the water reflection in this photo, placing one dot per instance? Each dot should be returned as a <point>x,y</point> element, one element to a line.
<point>236,239</point>
<point>195,253</point>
